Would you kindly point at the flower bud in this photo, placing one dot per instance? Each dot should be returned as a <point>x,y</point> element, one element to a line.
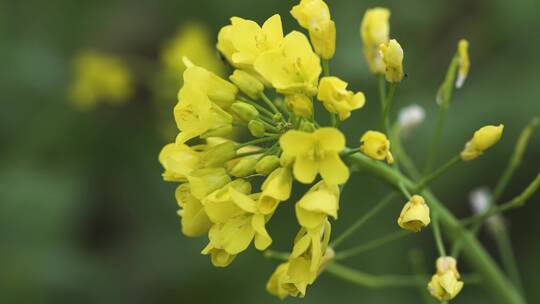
<point>267,164</point>
<point>256,128</point>
<point>375,145</point>
<point>314,16</point>
<point>464,63</point>
<point>375,30</point>
<point>482,140</point>
<point>445,284</point>
<point>244,111</point>
<point>392,55</point>
<point>307,126</point>
<point>217,155</point>
<point>247,83</point>
<point>204,181</point>
<point>300,105</point>
<point>244,167</point>
<point>414,215</point>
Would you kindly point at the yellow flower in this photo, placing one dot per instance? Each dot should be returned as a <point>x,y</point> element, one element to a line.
<point>219,257</point>
<point>207,180</point>
<point>219,205</point>
<point>445,284</point>
<point>414,215</point>
<point>99,77</point>
<point>337,99</point>
<point>314,16</point>
<point>293,68</point>
<point>482,140</point>
<point>464,63</point>
<point>313,153</point>
<point>375,145</point>
<point>276,188</point>
<point>196,115</point>
<point>392,56</point>
<point>312,243</point>
<point>192,40</point>
<point>375,30</point>
<point>219,91</point>
<point>321,201</point>
<point>300,104</point>
<point>275,283</point>
<point>195,221</point>
<point>178,160</point>
<point>244,40</point>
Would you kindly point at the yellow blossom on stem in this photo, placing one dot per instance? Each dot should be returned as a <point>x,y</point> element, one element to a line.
<point>314,16</point>
<point>300,104</point>
<point>99,77</point>
<point>293,68</point>
<point>337,99</point>
<point>206,180</point>
<point>375,145</point>
<point>219,205</point>
<point>482,140</point>
<point>464,63</point>
<point>195,221</point>
<point>276,188</point>
<point>392,55</point>
<point>445,284</point>
<point>321,201</point>
<point>178,160</point>
<point>244,41</point>
<point>375,30</point>
<point>313,153</point>
<point>414,215</point>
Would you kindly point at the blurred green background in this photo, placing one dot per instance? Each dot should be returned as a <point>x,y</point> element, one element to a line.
<point>86,218</point>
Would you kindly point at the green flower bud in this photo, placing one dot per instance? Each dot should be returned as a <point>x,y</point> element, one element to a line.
<point>248,84</point>
<point>244,167</point>
<point>244,111</point>
<point>267,164</point>
<point>217,155</point>
<point>277,117</point>
<point>306,126</point>
<point>256,128</point>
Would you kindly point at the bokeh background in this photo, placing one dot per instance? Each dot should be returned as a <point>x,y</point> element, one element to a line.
<point>86,218</point>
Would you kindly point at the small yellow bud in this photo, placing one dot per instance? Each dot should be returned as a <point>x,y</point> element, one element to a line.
<point>375,145</point>
<point>300,105</point>
<point>392,55</point>
<point>445,284</point>
<point>267,164</point>
<point>217,155</point>
<point>415,214</point>
<point>314,16</point>
<point>244,111</point>
<point>482,140</point>
<point>464,63</point>
<point>337,99</point>
<point>375,30</point>
<point>256,128</point>
<point>276,188</point>
<point>307,126</point>
<point>245,167</point>
<point>247,83</point>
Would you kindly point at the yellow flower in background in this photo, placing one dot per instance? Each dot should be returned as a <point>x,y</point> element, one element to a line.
<point>392,55</point>
<point>196,115</point>
<point>219,91</point>
<point>445,284</point>
<point>300,104</point>
<point>375,145</point>
<point>192,40</point>
<point>314,16</point>
<point>464,63</point>
<point>337,99</point>
<point>275,189</point>
<point>99,77</point>
<point>321,201</point>
<point>195,221</point>
<point>482,140</point>
<point>244,40</point>
<point>375,30</point>
<point>178,160</point>
<point>313,153</point>
<point>414,215</point>
<point>293,68</point>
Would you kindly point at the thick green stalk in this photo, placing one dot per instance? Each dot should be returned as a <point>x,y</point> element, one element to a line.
<point>474,253</point>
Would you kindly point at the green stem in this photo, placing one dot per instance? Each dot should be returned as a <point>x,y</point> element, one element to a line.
<point>474,253</point>
<point>260,108</point>
<point>257,141</point>
<point>401,155</point>
<point>382,94</point>
<point>270,127</point>
<point>437,234</point>
<point>348,253</point>
<point>362,220</point>
<point>326,67</point>
<point>417,261</point>
<point>504,245</point>
<point>278,255</point>
<point>371,281</point>
<point>270,103</point>
<point>441,170</point>
<point>432,154</point>
<point>388,107</point>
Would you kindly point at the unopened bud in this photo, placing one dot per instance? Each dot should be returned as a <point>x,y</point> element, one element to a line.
<point>306,126</point>
<point>244,111</point>
<point>217,155</point>
<point>248,84</point>
<point>267,164</point>
<point>256,128</point>
<point>245,167</point>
